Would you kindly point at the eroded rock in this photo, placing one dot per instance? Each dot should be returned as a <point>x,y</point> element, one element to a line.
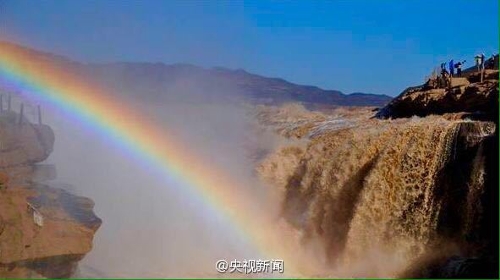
<point>44,231</point>
<point>463,96</point>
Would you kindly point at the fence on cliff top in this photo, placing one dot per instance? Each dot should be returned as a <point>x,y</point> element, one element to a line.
<point>27,110</point>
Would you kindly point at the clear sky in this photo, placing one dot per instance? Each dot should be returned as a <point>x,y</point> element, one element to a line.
<point>377,46</point>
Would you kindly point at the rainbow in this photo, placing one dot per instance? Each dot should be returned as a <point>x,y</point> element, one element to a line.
<point>146,144</point>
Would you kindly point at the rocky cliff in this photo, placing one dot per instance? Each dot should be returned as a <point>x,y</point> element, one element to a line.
<point>44,231</point>
<point>466,94</point>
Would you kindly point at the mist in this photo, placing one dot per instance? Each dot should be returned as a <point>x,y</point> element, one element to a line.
<point>150,229</point>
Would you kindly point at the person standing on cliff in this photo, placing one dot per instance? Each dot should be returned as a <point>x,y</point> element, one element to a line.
<point>443,79</point>
<point>451,65</point>
<point>443,67</point>
<point>490,63</point>
<point>477,59</point>
<point>482,61</point>
<point>459,68</point>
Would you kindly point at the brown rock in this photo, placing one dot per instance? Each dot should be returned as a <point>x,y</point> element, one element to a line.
<point>51,250</point>
<point>44,231</point>
<point>480,97</point>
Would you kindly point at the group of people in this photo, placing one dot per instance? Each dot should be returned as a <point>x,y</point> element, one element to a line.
<point>480,60</point>
<point>451,69</point>
<point>452,66</point>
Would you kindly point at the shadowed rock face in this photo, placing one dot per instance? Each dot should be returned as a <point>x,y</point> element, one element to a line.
<point>28,249</point>
<point>464,97</point>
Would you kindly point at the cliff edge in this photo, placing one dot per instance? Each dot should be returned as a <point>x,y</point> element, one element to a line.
<point>44,231</point>
<point>465,94</point>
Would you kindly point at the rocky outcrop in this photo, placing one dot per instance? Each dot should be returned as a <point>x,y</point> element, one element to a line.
<point>44,231</point>
<point>22,145</point>
<point>53,248</point>
<point>465,95</point>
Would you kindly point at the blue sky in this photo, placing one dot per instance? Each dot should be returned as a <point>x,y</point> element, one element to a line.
<point>377,46</point>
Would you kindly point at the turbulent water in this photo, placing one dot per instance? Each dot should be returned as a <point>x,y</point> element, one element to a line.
<point>380,196</point>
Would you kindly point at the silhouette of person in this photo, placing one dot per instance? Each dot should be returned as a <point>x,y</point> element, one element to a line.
<point>481,61</point>
<point>451,65</point>
<point>459,68</point>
